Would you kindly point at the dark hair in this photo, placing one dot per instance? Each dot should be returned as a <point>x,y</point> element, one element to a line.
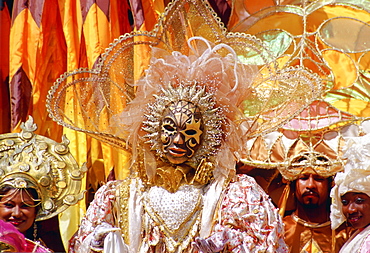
<point>33,193</point>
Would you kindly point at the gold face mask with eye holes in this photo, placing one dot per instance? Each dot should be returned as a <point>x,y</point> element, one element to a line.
<point>181,131</point>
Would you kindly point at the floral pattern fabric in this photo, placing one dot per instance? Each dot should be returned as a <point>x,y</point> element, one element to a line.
<point>246,220</point>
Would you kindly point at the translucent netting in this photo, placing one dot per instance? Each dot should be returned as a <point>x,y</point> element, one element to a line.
<point>329,40</point>
<point>89,100</point>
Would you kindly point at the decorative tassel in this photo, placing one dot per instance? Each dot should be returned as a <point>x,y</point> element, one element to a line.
<point>34,231</point>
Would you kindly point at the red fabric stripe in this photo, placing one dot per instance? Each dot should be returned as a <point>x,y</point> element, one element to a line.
<point>4,67</point>
<point>20,96</point>
<point>222,8</point>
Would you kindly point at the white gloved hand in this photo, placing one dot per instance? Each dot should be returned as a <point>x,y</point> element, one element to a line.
<point>114,243</point>
<point>215,243</point>
<point>207,245</point>
<point>99,234</point>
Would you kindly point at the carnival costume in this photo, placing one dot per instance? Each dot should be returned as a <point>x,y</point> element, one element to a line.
<point>302,235</point>
<point>328,38</point>
<point>355,178</point>
<point>28,160</point>
<point>205,90</point>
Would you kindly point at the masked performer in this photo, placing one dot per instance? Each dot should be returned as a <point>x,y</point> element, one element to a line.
<point>39,178</point>
<point>351,195</point>
<point>183,120</point>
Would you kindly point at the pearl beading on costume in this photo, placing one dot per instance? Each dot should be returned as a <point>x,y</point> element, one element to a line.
<point>174,209</point>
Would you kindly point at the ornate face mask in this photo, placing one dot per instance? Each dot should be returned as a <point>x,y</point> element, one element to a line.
<point>184,124</point>
<point>181,131</point>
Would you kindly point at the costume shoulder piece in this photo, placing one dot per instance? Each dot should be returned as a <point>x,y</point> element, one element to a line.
<point>28,160</point>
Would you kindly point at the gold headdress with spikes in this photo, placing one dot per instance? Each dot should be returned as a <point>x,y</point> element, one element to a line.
<point>109,102</point>
<point>28,160</point>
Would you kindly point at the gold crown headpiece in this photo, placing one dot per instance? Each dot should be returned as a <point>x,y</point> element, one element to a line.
<point>312,162</point>
<point>28,160</point>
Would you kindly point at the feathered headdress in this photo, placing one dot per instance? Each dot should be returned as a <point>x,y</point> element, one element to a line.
<point>189,55</point>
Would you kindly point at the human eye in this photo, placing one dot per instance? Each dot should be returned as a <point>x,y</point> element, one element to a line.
<point>26,205</point>
<point>8,205</point>
<point>344,202</point>
<point>303,177</point>
<point>319,179</point>
<point>359,200</point>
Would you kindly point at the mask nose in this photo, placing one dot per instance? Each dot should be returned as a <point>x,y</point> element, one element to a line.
<point>178,139</point>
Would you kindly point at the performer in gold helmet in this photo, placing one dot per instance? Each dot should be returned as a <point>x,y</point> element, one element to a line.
<point>307,229</point>
<point>39,178</point>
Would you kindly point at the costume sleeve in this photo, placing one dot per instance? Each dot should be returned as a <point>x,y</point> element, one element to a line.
<point>248,221</point>
<point>365,245</point>
<point>99,214</point>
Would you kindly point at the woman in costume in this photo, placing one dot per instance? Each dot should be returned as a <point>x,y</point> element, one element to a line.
<point>39,178</point>
<point>183,121</point>
<point>351,195</point>
<point>18,206</point>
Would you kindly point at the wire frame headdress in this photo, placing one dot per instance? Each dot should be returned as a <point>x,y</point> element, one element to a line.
<point>28,160</point>
<point>330,39</point>
<point>90,100</point>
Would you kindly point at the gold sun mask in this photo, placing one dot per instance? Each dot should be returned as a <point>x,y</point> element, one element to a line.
<point>183,124</point>
<point>181,131</point>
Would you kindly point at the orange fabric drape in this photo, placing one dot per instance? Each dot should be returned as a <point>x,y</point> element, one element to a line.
<point>46,39</point>
<point>42,39</point>
<point>4,67</point>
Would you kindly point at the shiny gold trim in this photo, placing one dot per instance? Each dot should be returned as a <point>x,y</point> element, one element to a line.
<point>28,160</point>
<point>123,196</point>
<point>310,224</point>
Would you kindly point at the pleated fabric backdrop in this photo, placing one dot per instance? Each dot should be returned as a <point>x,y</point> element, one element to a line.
<point>42,39</point>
